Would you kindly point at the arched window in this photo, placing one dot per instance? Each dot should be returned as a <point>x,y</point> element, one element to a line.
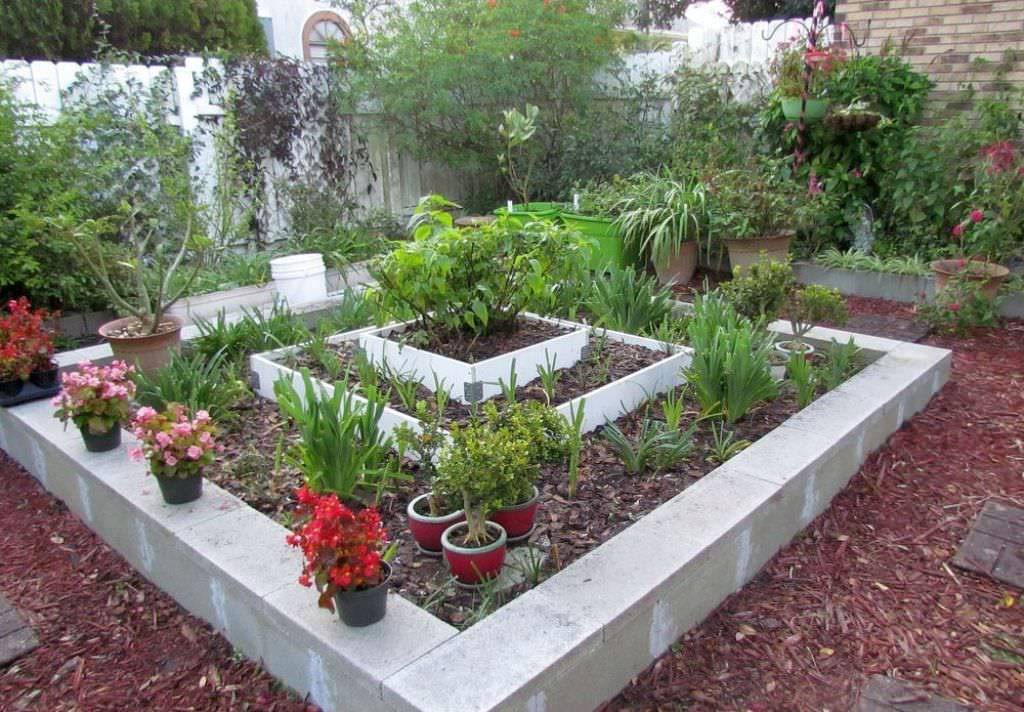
<point>321,29</point>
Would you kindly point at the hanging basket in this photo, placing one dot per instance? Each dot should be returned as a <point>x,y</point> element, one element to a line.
<point>851,122</point>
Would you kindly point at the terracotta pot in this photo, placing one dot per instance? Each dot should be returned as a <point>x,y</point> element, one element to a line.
<point>746,252</point>
<point>365,607</point>
<point>427,530</point>
<point>990,275</point>
<point>517,521</point>
<point>149,353</point>
<point>471,565</point>
<point>680,268</point>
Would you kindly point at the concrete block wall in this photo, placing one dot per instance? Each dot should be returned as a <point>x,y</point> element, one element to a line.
<point>943,38</point>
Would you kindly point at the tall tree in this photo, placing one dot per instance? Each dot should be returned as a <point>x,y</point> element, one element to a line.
<point>662,13</point>
<point>75,29</point>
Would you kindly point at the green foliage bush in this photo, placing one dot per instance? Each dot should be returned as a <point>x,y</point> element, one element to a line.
<point>759,291</point>
<point>478,281</point>
<point>76,29</point>
<point>444,70</point>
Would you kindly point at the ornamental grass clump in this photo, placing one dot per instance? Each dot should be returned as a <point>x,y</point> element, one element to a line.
<point>96,398</point>
<point>174,443</point>
<point>342,549</point>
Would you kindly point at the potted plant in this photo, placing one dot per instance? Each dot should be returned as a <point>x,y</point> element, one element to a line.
<point>343,557</point>
<point>547,433</point>
<point>756,210</point>
<point>486,468</point>
<point>177,447</point>
<point>97,399</point>
<point>431,513</point>
<point>806,307</point>
<point>148,335</point>
<point>802,82</point>
<point>975,233</point>
<point>592,216</point>
<point>26,353</point>
<point>662,220</point>
<point>516,162</point>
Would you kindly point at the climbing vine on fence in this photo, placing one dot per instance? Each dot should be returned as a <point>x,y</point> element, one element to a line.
<point>292,150</point>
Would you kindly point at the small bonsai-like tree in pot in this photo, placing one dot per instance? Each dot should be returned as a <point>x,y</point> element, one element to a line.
<point>756,209</point>
<point>806,307</point>
<point>144,284</point>
<point>344,556</point>
<point>487,467</point>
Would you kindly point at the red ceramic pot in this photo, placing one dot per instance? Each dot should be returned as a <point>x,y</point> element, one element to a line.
<point>518,521</point>
<point>427,530</point>
<point>471,565</point>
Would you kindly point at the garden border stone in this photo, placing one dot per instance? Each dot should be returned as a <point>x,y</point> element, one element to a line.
<point>883,285</point>
<point>570,643</point>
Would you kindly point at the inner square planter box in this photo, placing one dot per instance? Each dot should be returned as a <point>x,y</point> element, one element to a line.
<point>569,644</point>
<point>473,382</point>
<point>606,403</point>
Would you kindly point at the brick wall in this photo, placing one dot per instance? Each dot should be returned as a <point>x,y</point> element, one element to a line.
<point>943,38</point>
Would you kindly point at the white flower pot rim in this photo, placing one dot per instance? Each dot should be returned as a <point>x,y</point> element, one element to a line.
<point>410,509</point>
<point>472,550</point>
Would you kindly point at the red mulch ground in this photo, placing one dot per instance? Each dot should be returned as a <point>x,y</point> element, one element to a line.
<point>109,640</point>
<point>868,588</point>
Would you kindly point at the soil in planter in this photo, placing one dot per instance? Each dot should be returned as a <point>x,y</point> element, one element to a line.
<point>137,329</point>
<point>602,366</point>
<point>528,332</point>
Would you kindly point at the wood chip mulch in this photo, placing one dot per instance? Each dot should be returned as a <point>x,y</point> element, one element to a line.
<point>109,640</point>
<point>869,588</point>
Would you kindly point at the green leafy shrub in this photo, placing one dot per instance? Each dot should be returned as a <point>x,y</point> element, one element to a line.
<point>489,469</point>
<point>543,427</point>
<point>443,70</point>
<point>812,304</point>
<point>477,281</point>
<point>730,371</point>
<point>760,291</point>
<point>756,200</point>
<point>623,300</point>
<point>76,29</point>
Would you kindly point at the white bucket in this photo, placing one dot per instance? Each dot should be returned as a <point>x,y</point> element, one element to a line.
<point>300,279</point>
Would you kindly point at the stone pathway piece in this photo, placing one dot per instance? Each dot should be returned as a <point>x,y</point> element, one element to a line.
<point>16,636</point>
<point>995,544</point>
<point>886,694</point>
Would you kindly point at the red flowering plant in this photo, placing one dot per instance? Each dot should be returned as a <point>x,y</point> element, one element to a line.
<point>96,397</point>
<point>25,343</point>
<point>174,443</point>
<point>343,549</point>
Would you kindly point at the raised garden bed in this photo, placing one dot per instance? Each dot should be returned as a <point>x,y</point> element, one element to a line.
<point>569,643</point>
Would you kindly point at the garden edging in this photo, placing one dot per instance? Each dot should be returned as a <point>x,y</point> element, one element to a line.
<point>884,285</point>
<point>568,644</point>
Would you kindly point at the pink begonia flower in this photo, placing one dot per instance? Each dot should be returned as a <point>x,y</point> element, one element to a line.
<point>163,439</point>
<point>170,460</point>
<point>136,454</point>
<point>145,413</point>
<point>202,416</point>
<point>205,438</point>
<point>182,429</point>
<point>194,452</point>
<point>977,215</point>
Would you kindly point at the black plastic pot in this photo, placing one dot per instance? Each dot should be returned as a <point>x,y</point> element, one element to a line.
<point>366,607</point>
<point>180,490</point>
<point>46,378</point>
<point>101,442</point>
<point>9,389</point>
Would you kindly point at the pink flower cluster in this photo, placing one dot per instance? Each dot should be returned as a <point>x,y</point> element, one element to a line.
<point>97,397</point>
<point>175,444</point>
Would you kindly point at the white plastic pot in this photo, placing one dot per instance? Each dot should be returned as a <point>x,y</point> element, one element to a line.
<point>300,279</point>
